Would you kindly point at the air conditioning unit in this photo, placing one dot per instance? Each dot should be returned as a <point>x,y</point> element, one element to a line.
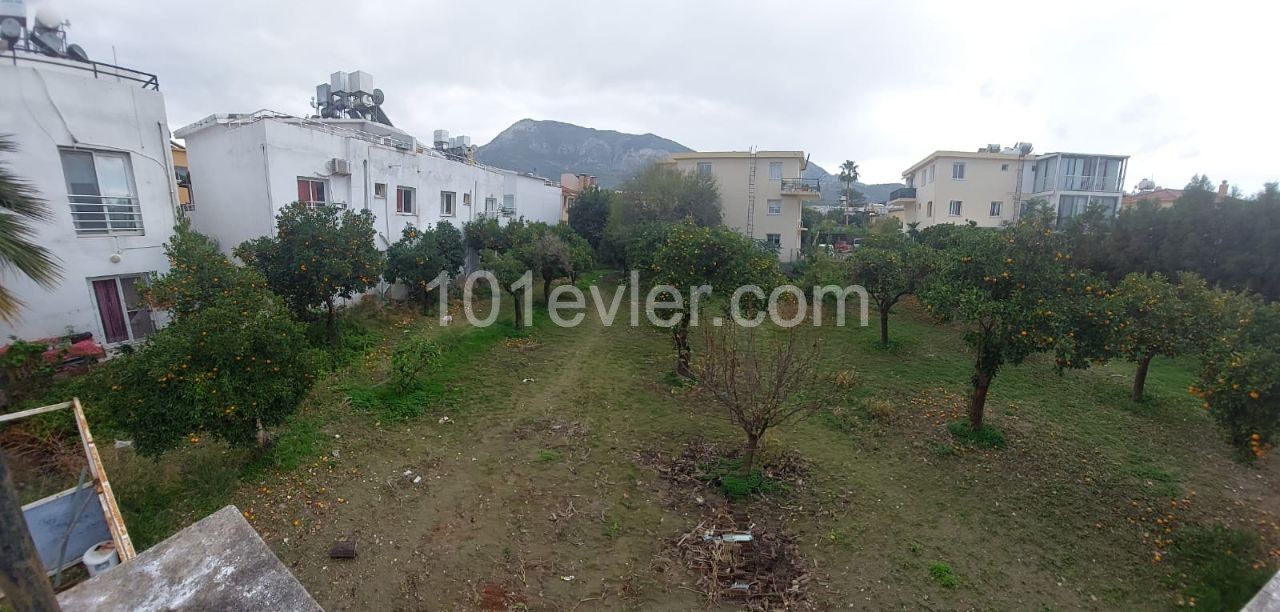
<point>338,165</point>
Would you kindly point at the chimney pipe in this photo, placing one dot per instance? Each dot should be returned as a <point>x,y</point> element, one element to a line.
<point>1222,191</point>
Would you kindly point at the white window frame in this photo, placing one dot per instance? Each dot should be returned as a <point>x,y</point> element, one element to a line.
<point>448,203</point>
<point>490,205</point>
<point>957,171</point>
<point>997,208</point>
<point>769,238</point>
<point>113,210</point>
<point>929,209</point>
<point>775,207</point>
<point>775,176</point>
<point>703,168</point>
<point>412,193</point>
<point>380,190</point>
<point>323,183</point>
<point>146,278</point>
<point>955,208</point>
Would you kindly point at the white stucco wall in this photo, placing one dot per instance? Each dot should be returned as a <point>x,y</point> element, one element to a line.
<point>243,174</point>
<point>45,108</point>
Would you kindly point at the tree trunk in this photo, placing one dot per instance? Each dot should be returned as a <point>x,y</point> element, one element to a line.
<point>519,312</point>
<point>684,361</point>
<point>749,454</point>
<point>981,381</point>
<point>263,438</point>
<point>331,324</point>
<point>1140,378</point>
<point>884,327</point>
<point>22,577</point>
<point>546,291</point>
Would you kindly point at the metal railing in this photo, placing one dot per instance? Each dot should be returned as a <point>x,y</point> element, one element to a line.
<point>902,193</point>
<point>1073,182</point>
<point>800,185</point>
<point>106,215</point>
<point>100,70</point>
<point>314,204</point>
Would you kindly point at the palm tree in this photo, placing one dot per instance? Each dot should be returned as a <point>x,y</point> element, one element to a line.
<point>849,176</point>
<point>19,205</point>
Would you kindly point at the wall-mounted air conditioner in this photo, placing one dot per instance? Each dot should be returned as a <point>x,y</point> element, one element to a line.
<point>338,165</point>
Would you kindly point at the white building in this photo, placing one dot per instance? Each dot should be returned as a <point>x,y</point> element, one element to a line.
<point>990,186</point>
<point>93,141</point>
<point>246,168</point>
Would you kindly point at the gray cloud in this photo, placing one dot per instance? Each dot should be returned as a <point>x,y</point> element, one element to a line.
<point>1181,88</point>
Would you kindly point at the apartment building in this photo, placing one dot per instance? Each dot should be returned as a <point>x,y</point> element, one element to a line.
<point>247,167</point>
<point>761,192</point>
<point>991,186</point>
<point>93,142</point>
<point>571,187</point>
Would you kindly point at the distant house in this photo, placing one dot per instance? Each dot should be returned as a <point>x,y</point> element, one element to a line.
<point>1158,196</point>
<point>247,167</point>
<point>182,177</point>
<point>761,192</point>
<point>92,140</point>
<point>990,186</point>
<point>572,186</point>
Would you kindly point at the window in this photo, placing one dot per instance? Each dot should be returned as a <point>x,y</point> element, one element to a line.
<point>509,202</point>
<point>446,203</point>
<point>775,171</point>
<point>928,209</point>
<point>995,208</point>
<point>123,312</point>
<point>312,191</point>
<point>957,171</point>
<point>775,207</point>
<point>466,199</point>
<point>704,168</point>
<point>774,240</point>
<point>933,172</point>
<point>1004,167</point>
<point>100,191</point>
<point>490,205</point>
<point>183,175</point>
<point>405,198</point>
<point>954,208</point>
<point>380,190</point>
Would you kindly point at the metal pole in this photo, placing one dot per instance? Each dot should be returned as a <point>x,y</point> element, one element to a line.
<point>22,577</point>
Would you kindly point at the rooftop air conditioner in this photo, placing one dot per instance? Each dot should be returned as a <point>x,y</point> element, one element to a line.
<point>338,165</point>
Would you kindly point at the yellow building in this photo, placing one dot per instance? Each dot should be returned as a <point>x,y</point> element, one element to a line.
<point>761,193</point>
<point>182,176</point>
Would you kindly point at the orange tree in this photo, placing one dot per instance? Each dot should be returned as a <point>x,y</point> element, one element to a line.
<point>1018,296</point>
<point>318,255</point>
<point>890,270</point>
<point>689,256</point>
<point>230,364</point>
<point>1240,382</point>
<point>1156,317</point>
<point>421,255</point>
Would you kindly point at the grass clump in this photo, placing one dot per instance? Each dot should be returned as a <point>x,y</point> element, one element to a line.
<point>985,437</point>
<point>1220,565</point>
<point>727,476</point>
<point>942,574</point>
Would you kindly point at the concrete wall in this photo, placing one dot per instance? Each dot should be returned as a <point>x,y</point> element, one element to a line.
<point>987,179</point>
<point>46,107</point>
<point>244,174</point>
<point>732,173</point>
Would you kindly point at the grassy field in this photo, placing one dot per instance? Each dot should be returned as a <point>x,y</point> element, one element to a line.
<point>524,477</point>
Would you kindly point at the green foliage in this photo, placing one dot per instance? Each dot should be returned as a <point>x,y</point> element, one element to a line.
<point>1240,382</point>
<point>821,270</point>
<point>488,234</point>
<point>1223,567</point>
<point>25,370</point>
<point>422,255</point>
<point>890,273</point>
<point>412,359</point>
<point>590,213</point>
<point>662,192</point>
<point>548,456</point>
<point>727,475</point>
<point>317,255</point>
<point>20,204</point>
<point>234,365</point>
<point>508,269</point>
<point>200,276</point>
<point>942,574</point>
<point>1153,316</point>
<point>985,436</point>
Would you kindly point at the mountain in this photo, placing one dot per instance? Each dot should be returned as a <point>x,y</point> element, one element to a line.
<point>548,148</point>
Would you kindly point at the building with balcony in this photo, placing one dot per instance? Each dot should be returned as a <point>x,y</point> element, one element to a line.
<point>761,192</point>
<point>990,187</point>
<point>571,187</point>
<point>247,167</point>
<point>93,142</point>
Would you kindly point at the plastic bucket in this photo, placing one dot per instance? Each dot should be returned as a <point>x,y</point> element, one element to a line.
<point>100,558</point>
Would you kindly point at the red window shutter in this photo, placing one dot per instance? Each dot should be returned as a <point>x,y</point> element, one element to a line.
<point>399,200</point>
<point>304,190</point>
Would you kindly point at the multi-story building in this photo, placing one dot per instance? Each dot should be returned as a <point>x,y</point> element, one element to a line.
<point>182,176</point>
<point>990,187</point>
<point>247,167</point>
<point>761,192</point>
<point>93,142</point>
<point>572,186</point>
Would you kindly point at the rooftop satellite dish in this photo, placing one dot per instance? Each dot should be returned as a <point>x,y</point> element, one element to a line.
<point>76,52</point>
<point>10,30</point>
<point>378,97</point>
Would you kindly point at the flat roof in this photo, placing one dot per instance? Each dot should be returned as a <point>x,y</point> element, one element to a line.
<point>735,154</point>
<point>965,154</point>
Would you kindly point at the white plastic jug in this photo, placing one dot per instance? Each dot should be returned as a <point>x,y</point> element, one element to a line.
<point>100,558</point>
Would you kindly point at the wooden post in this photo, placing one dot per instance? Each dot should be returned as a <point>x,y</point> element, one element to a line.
<point>111,511</point>
<point>22,576</point>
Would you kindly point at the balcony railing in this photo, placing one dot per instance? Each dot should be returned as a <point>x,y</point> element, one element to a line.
<point>1090,183</point>
<point>25,53</point>
<point>800,185</point>
<point>902,193</point>
<point>106,215</point>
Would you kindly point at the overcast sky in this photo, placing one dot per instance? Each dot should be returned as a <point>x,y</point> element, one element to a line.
<point>1181,87</point>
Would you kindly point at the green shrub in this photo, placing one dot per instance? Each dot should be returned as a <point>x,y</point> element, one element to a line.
<point>1219,566</point>
<point>726,475</point>
<point>942,574</point>
<point>986,437</point>
<point>25,370</point>
<point>412,359</point>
